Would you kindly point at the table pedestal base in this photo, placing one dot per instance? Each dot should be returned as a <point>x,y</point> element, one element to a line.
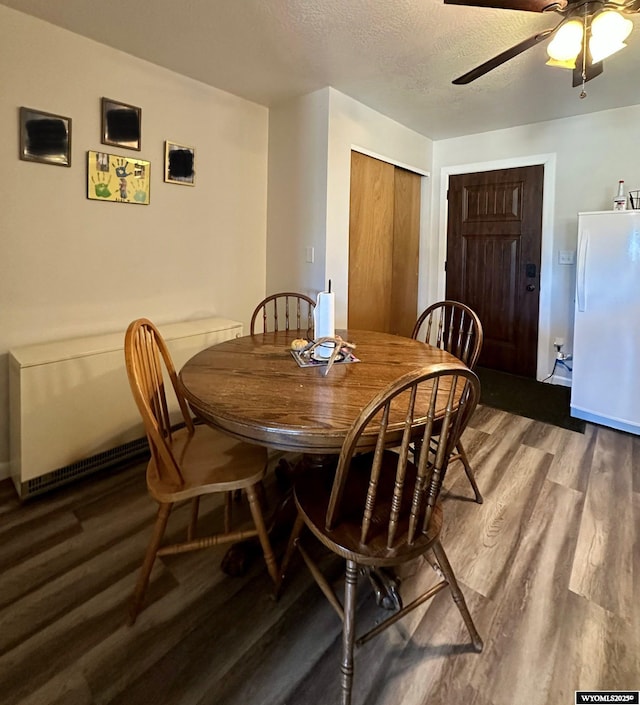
<point>385,588</point>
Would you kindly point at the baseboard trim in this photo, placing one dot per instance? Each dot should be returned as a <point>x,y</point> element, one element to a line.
<point>562,381</point>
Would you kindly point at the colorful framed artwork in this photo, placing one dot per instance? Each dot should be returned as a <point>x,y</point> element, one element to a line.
<point>121,124</point>
<point>44,137</point>
<point>111,177</point>
<point>179,164</point>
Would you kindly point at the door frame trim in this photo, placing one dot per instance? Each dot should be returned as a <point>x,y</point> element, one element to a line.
<point>546,255</point>
<point>388,160</point>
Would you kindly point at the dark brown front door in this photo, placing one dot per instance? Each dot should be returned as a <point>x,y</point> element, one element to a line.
<point>494,239</point>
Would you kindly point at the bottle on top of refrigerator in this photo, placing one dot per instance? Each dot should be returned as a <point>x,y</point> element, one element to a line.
<point>620,201</point>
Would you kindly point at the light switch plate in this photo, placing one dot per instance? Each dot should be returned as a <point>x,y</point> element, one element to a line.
<point>567,257</point>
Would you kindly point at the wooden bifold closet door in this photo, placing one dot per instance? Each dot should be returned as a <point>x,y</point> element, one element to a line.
<point>384,237</point>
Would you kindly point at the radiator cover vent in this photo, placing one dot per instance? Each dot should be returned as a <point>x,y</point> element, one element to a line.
<point>134,450</point>
<point>71,408</point>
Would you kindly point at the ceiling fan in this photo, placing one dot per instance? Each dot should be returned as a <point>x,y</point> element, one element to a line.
<point>590,31</point>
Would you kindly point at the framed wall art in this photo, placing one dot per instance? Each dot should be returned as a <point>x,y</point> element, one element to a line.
<point>44,137</point>
<point>121,124</point>
<point>179,164</point>
<point>111,177</point>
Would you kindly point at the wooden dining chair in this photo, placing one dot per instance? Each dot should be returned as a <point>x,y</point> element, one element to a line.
<point>382,509</point>
<point>187,460</point>
<point>456,328</point>
<point>283,311</point>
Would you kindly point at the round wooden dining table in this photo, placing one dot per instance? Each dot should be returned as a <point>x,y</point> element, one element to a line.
<point>253,389</point>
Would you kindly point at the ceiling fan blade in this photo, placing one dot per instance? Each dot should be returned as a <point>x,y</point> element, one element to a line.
<point>591,70</point>
<point>501,58</point>
<point>629,8</point>
<point>526,5</point>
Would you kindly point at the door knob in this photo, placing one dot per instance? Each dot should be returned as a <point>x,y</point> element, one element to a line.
<point>531,287</point>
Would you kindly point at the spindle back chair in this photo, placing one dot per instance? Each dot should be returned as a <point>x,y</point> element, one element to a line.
<point>382,509</point>
<point>456,328</point>
<point>188,460</point>
<point>286,310</point>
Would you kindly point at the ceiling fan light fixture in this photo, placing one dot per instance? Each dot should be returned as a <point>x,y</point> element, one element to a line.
<point>589,31</point>
<point>567,43</point>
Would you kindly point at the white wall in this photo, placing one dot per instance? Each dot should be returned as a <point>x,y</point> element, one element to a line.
<point>588,155</point>
<point>310,143</point>
<point>70,266</point>
<point>297,210</point>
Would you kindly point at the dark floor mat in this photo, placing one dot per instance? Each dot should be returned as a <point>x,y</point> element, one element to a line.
<point>527,397</point>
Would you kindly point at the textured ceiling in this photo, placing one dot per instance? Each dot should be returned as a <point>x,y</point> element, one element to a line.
<point>396,56</point>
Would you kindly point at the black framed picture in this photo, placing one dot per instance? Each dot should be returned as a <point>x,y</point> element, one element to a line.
<point>44,137</point>
<point>121,124</point>
<point>179,164</point>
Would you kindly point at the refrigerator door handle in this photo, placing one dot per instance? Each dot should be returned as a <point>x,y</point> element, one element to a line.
<point>582,266</point>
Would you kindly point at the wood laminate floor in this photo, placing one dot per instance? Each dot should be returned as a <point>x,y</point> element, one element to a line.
<point>549,564</point>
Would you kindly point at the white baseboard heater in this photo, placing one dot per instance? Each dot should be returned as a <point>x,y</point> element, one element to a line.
<point>71,408</point>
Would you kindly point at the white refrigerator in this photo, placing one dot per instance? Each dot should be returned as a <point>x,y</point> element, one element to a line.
<point>605,385</point>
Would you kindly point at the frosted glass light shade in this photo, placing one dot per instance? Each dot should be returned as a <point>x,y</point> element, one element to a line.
<point>609,29</point>
<point>600,49</point>
<point>567,42</point>
<point>611,25</point>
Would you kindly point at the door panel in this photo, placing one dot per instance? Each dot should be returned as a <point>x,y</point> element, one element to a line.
<point>384,235</point>
<point>406,251</point>
<point>370,243</point>
<point>494,239</point>
<point>498,294</point>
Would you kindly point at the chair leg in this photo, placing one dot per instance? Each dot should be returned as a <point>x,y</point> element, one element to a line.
<point>150,556</point>
<point>228,511</point>
<point>348,631</point>
<point>195,508</point>
<point>457,595</point>
<point>262,495</point>
<point>263,536</point>
<point>298,525</point>
<point>469,472</point>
